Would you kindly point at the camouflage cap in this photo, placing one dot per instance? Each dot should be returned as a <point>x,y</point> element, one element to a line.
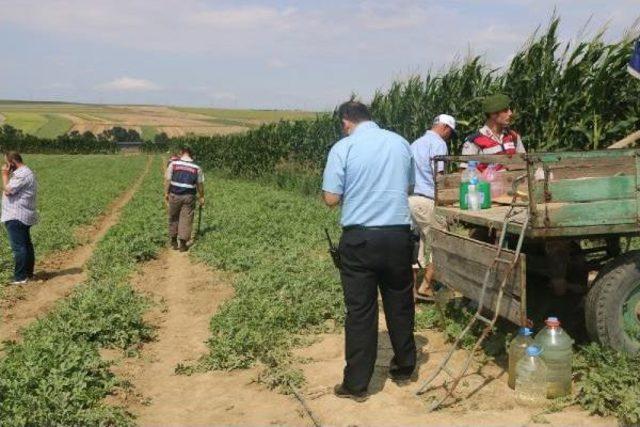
<point>495,103</point>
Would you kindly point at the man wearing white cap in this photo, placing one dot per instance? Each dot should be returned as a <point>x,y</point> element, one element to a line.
<point>432,143</point>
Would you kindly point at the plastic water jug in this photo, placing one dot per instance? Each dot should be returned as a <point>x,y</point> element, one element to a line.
<point>531,376</point>
<point>558,356</point>
<point>517,349</point>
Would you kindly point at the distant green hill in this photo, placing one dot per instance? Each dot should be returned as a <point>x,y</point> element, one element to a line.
<point>49,119</point>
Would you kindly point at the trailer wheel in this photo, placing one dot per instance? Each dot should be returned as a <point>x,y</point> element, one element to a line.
<point>612,308</point>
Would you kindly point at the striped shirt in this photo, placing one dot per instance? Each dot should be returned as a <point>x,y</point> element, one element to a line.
<point>19,198</point>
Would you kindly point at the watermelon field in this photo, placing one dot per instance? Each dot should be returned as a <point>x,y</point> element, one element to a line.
<point>246,327</point>
<point>269,303</point>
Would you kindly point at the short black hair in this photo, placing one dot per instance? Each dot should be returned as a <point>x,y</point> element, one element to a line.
<point>354,111</point>
<point>186,149</point>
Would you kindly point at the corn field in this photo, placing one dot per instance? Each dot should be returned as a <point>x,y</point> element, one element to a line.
<point>567,96</point>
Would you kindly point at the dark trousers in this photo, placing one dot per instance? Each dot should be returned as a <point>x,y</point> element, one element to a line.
<point>22,247</point>
<point>373,259</point>
<point>181,212</point>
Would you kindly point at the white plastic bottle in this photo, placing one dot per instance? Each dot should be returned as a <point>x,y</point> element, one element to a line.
<point>473,196</point>
<point>470,171</point>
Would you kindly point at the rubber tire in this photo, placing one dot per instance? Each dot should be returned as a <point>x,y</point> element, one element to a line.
<point>605,298</point>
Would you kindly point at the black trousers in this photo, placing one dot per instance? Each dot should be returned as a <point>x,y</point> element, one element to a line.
<point>373,259</point>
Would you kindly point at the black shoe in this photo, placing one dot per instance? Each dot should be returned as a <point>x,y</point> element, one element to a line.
<point>183,245</point>
<point>400,374</point>
<point>342,392</point>
<point>174,243</point>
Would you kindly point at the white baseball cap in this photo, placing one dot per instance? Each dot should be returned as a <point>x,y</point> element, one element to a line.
<point>447,120</point>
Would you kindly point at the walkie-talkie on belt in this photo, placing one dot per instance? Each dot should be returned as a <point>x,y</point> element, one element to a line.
<point>333,251</point>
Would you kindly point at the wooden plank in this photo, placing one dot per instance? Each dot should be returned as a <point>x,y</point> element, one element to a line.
<point>461,263</point>
<point>452,180</point>
<point>588,189</point>
<point>491,218</point>
<point>605,212</point>
<point>580,155</point>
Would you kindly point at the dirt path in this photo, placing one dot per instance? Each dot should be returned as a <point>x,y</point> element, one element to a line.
<point>487,400</point>
<point>60,272</point>
<point>188,294</point>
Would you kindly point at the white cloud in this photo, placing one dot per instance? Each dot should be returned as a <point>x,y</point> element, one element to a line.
<point>276,63</point>
<point>128,84</point>
<point>223,96</point>
<point>242,18</point>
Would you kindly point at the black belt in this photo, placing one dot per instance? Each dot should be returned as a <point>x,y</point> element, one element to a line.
<point>423,195</point>
<point>399,227</point>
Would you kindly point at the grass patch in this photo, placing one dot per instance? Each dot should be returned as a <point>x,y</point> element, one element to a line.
<point>148,133</point>
<point>608,383</point>
<point>286,284</point>
<point>55,125</point>
<point>251,116</point>
<point>27,122</point>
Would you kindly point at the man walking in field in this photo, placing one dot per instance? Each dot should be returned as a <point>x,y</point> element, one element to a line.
<point>19,214</point>
<point>433,143</point>
<point>183,180</point>
<point>369,173</point>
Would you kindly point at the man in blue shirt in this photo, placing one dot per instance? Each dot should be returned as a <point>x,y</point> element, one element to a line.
<point>424,149</point>
<point>369,172</point>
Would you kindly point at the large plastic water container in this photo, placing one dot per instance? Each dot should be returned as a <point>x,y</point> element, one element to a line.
<point>557,354</point>
<point>517,349</point>
<point>495,179</point>
<point>531,376</point>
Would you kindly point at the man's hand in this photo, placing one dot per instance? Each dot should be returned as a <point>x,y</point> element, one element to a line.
<point>201,200</point>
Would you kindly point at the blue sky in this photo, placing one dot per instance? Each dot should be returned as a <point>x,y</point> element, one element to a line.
<point>263,54</point>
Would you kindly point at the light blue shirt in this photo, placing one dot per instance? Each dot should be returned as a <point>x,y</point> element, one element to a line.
<point>372,169</point>
<point>424,149</point>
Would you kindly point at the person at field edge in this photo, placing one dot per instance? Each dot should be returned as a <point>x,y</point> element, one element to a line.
<point>369,173</point>
<point>496,136</point>
<point>421,201</point>
<point>19,214</point>
<point>183,180</point>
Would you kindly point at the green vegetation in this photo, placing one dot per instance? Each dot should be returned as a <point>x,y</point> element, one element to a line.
<point>285,283</point>
<point>250,116</point>
<point>566,97</point>
<point>49,119</point>
<point>73,191</point>
<point>55,376</point>
<point>607,383</point>
<point>71,143</point>
<point>149,133</point>
<point>26,121</point>
<point>55,125</point>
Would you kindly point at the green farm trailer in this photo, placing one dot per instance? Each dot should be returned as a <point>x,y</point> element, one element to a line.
<point>578,212</point>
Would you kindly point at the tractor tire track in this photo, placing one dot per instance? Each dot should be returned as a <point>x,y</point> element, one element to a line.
<point>24,304</point>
